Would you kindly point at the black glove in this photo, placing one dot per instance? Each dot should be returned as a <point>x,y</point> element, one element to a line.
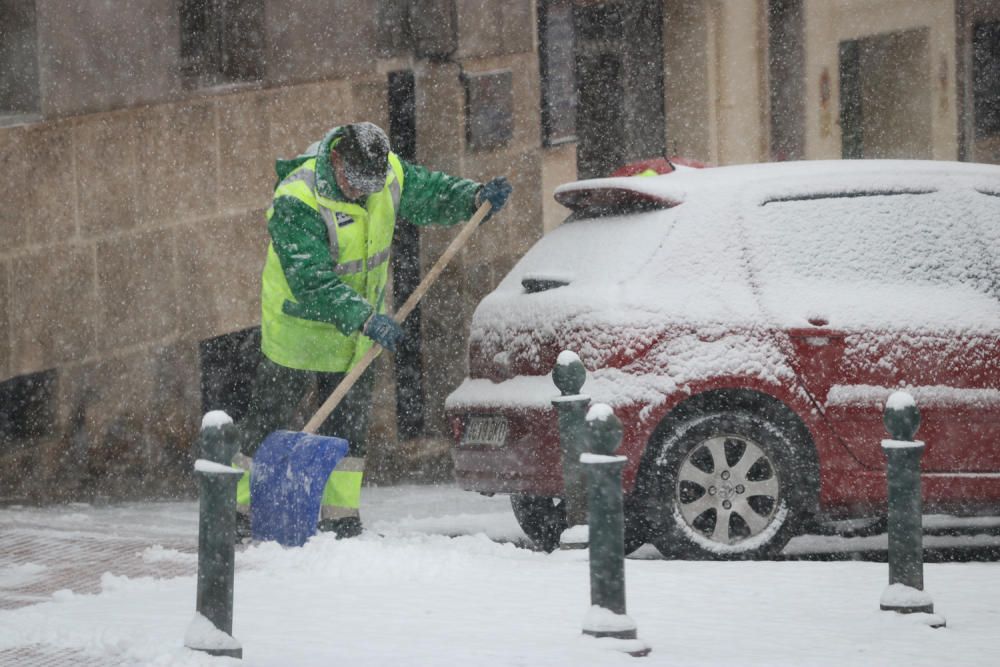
<point>383,330</point>
<point>496,193</point>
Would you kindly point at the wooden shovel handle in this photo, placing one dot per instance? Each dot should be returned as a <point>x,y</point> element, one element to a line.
<point>345,385</point>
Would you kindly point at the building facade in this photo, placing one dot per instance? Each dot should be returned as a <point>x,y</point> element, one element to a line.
<point>137,142</point>
<point>137,148</point>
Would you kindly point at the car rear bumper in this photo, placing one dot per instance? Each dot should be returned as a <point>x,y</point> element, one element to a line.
<point>529,460</point>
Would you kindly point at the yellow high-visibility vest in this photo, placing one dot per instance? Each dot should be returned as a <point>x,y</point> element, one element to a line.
<point>361,252</point>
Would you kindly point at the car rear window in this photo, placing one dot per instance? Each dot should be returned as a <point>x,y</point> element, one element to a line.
<point>589,251</point>
<point>608,201</point>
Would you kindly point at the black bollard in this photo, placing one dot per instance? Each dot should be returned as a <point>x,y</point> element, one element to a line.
<point>905,593</point>
<point>607,617</point>
<point>569,375</point>
<point>212,628</point>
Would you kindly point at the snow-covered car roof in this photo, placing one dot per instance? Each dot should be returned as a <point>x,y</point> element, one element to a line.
<point>768,181</point>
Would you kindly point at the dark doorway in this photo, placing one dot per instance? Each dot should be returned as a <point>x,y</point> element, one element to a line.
<point>786,78</point>
<point>228,367</point>
<point>885,87</point>
<point>600,116</point>
<point>406,264</point>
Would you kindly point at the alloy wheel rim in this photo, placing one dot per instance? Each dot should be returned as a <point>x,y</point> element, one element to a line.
<point>728,489</point>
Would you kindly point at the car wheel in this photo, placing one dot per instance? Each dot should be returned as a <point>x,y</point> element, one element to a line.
<point>543,520</point>
<point>725,486</point>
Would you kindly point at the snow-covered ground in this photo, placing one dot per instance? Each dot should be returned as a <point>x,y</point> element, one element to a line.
<point>440,578</point>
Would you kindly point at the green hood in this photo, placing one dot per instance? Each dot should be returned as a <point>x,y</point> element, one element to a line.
<point>326,182</point>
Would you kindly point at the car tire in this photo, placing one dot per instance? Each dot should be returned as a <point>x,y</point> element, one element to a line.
<point>727,486</point>
<point>543,520</point>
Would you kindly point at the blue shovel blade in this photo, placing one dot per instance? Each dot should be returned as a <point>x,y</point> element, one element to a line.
<point>286,487</point>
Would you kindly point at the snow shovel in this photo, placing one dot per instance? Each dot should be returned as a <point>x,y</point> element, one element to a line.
<point>291,468</point>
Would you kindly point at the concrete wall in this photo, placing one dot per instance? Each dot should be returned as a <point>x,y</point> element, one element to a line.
<point>558,167</point>
<point>715,88</point>
<point>95,56</point>
<point>130,236</point>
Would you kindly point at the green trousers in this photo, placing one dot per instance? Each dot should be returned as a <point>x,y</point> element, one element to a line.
<point>277,392</point>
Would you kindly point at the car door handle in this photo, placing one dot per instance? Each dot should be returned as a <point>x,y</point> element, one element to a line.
<point>817,337</point>
<point>817,341</point>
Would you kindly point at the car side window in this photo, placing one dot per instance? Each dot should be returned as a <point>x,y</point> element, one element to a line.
<point>884,237</point>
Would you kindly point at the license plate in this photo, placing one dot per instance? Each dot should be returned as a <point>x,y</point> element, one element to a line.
<point>485,431</point>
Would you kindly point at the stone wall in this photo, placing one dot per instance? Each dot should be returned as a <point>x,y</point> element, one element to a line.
<point>130,236</point>
<point>132,217</point>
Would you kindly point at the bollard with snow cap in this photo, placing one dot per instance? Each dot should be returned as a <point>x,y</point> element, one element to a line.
<point>606,517</point>
<point>212,627</point>
<point>569,375</point>
<point>905,593</point>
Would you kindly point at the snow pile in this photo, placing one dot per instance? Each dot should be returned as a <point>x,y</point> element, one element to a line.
<point>599,619</point>
<point>215,419</point>
<point>601,412</point>
<point>589,458</point>
<point>20,575</point>
<point>403,594</point>
<point>567,358</point>
<point>900,400</point>
<point>901,596</point>
<point>923,397</point>
<point>202,634</point>
<point>902,444</point>
<point>575,536</point>
<point>157,554</point>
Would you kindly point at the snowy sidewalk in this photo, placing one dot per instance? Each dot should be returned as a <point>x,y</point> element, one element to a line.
<point>439,579</point>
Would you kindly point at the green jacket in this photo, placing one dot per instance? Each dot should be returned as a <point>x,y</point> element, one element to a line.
<point>311,314</point>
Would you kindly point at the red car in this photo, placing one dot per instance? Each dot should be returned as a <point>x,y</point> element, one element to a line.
<point>747,325</point>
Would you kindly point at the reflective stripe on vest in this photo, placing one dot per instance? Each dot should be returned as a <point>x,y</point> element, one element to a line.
<point>361,251</point>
